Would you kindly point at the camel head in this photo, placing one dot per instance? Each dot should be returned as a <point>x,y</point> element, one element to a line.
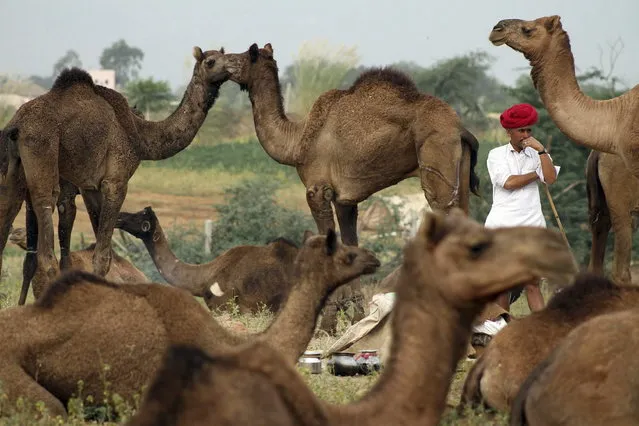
<point>209,67</point>
<point>532,38</point>
<point>18,236</point>
<point>477,263</point>
<point>339,263</point>
<point>141,224</point>
<point>242,66</point>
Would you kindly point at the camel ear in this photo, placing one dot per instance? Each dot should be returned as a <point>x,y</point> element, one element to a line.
<point>433,227</point>
<point>222,50</point>
<point>197,53</point>
<point>331,242</point>
<point>552,23</point>
<point>307,234</point>
<point>254,52</point>
<point>268,49</point>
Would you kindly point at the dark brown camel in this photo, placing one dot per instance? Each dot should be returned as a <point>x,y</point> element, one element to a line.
<point>254,275</point>
<point>514,352</point>
<point>87,135</point>
<point>356,142</point>
<point>612,202</point>
<point>451,268</point>
<point>82,322</point>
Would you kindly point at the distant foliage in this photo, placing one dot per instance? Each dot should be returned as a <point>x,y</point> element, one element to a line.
<point>149,95</point>
<point>124,59</point>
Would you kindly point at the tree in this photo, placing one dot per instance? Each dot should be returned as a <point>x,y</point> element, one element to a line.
<point>68,60</point>
<point>124,59</point>
<point>149,95</point>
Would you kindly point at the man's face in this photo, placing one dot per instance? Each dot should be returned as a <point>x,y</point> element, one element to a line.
<point>517,136</point>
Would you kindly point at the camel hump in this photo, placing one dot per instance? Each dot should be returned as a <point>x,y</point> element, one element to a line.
<point>70,77</point>
<point>60,287</point>
<point>578,299</point>
<point>392,76</point>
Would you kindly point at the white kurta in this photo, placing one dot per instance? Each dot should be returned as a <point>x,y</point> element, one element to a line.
<point>516,207</point>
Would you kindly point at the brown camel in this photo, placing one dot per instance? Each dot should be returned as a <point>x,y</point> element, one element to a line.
<point>356,142</point>
<point>121,271</point>
<point>255,275</point>
<point>612,202</point>
<point>608,126</point>
<point>590,379</point>
<point>514,352</point>
<point>72,327</point>
<point>87,135</point>
<point>451,269</point>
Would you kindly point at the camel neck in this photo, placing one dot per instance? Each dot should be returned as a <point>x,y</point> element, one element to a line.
<point>163,139</point>
<point>190,277</point>
<point>429,337</point>
<point>279,137</point>
<point>583,119</point>
<point>293,327</point>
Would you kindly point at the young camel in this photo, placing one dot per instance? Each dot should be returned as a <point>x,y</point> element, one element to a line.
<point>450,270</point>
<point>608,126</point>
<point>256,275</point>
<point>72,327</point>
<point>121,271</point>
<point>514,352</point>
<point>87,135</point>
<point>612,202</point>
<point>591,378</point>
<point>356,142</point>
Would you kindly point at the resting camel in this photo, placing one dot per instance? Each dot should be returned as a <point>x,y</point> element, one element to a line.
<point>612,201</point>
<point>121,271</point>
<point>514,352</point>
<point>608,126</point>
<point>256,275</point>
<point>356,142</point>
<point>450,270</point>
<point>87,135</point>
<point>82,322</point>
<point>591,378</point>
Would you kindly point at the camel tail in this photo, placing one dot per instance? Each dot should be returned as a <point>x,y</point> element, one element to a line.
<point>470,140</point>
<point>597,205</point>
<point>471,393</point>
<point>8,137</point>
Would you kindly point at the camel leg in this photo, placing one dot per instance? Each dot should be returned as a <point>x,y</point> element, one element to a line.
<point>17,383</point>
<point>66,214</point>
<point>319,199</point>
<point>30,263</point>
<point>599,231</point>
<point>622,227</point>
<point>12,193</point>
<point>113,195</point>
<point>93,202</point>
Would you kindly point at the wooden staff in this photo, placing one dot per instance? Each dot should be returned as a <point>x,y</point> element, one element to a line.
<point>552,203</point>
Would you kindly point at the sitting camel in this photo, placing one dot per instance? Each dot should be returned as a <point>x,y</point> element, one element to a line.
<point>591,378</point>
<point>612,201</point>
<point>83,322</point>
<point>514,352</point>
<point>256,275</point>
<point>88,135</point>
<point>122,271</point>
<point>451,269</point>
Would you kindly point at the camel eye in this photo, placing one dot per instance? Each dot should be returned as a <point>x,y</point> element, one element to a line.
<point>478,249</point>
<point>210,62</point>
<point>527,31</point>
<point>350,258</point>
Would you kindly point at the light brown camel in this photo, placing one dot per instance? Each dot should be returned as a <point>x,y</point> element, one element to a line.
<point>608,126</point>
<point>356,142</point>
<point>87,135</point>
<point>613,200</point>
<point>82,322</point>
<point>591,378</point>
<point>514,352</point>
<point>121,271</point>
<point>255,275</point>
<point>451,268</point>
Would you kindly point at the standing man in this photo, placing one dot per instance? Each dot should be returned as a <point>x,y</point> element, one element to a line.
<point>514,169</point>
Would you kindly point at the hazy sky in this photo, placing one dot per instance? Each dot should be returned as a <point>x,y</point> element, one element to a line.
<point>35,33</point>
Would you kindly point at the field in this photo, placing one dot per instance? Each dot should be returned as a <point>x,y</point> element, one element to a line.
<point>184,191</point>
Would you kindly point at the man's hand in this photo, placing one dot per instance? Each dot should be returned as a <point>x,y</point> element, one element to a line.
<point>533,143</point>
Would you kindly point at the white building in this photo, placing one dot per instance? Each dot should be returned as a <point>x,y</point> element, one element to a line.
<point>104,78</point>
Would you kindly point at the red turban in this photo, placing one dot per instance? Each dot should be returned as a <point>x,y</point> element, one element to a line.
<point>518,116</point>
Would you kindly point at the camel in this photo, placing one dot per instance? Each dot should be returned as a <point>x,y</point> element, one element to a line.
<point>72,327</point>
<point>450,270</point>
<point>608,126</point>
<point>591,378</point>
<point>612,202</point>
<point>388,128</point>
<point>87,135</point>
<point>513,353</point>
<point>256,275</point>
<point>121,271</point>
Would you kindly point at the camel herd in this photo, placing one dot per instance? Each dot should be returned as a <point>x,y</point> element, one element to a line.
<point>102,321</point>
